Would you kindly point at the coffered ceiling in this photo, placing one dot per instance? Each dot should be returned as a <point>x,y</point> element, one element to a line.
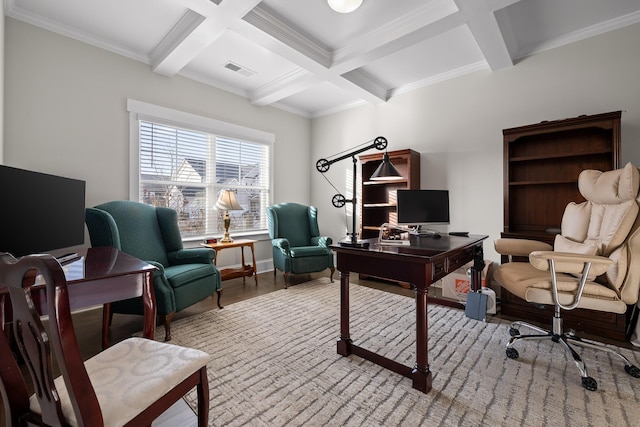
<point>301,56</point>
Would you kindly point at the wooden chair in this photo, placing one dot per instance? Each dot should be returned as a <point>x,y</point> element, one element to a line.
<point>131,383</point>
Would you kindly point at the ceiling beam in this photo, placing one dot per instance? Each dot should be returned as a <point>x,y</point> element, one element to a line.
<point>205,22</point>
<point>481,21</point>
<point>201,25</point>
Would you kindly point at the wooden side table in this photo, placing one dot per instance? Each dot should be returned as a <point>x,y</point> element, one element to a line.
<point>244,270</point>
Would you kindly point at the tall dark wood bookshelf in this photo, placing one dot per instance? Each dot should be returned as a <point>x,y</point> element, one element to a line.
<point>542,162</point>
<point>378,198</point>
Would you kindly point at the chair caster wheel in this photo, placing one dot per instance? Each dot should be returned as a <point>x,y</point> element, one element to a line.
<point>514,332</point>
<point>632,370</point>
<point>589,383</point>
<point>512,353</point>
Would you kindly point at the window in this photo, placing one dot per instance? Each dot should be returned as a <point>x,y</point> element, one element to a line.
<point>183,161</point>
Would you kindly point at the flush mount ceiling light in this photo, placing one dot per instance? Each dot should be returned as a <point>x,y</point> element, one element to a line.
<point>344,6</point>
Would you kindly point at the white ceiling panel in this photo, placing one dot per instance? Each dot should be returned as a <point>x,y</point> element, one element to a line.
<point>258,65</point>
<point>427,60</point>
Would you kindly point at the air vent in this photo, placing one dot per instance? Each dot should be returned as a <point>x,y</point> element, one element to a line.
<point>239,69</point>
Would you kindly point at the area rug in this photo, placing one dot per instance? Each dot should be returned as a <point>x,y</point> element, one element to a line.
<point>275,364</point>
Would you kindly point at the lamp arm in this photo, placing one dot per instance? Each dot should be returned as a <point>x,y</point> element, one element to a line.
<point>379,143</point>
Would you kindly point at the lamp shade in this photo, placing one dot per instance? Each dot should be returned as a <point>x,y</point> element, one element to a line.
<point>227,201</point>
<point>386,171</point>
<point>344,6</point>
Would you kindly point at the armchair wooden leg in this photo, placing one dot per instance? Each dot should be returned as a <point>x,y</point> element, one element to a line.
<point>331,275</point>
<point>219,292</point>
<point>167,325</point>
<point>286,279</point>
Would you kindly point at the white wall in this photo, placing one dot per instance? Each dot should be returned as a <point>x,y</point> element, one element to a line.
<point>457,125</point>
<point>66,114</point>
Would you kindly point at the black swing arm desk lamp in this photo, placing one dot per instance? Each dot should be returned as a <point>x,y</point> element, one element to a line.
<point>386,171</point>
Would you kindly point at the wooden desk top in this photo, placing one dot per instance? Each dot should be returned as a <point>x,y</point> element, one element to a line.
<point>423,248</point>
<point>236,243</point>
<point>101,263</point>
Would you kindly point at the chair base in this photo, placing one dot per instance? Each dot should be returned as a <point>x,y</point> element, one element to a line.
<point>566,339</point>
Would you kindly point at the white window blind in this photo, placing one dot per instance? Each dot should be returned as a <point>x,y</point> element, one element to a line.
<point>184,168</point>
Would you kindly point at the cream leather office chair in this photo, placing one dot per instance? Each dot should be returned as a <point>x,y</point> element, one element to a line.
<point>594,263</point>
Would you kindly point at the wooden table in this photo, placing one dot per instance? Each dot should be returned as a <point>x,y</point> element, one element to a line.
<point>244,270</point>
<point>100,276</point>
<point>421,264</point>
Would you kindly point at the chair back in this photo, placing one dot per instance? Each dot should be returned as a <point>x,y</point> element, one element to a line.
<point>607,224</point>
<point>35,344</point>
<point>132,227</point>
<point>293,221</point>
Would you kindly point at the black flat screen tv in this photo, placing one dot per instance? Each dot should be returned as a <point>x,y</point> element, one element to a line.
<point>422,207</point>
<point>40,212</point>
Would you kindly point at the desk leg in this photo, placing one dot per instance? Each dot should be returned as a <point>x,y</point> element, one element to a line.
<point>421,374</point>
<point>106,322</point>
<point>149,306</point>
<point>344,343</point>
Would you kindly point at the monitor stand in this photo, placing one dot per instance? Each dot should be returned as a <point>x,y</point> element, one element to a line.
<point>426,232</point>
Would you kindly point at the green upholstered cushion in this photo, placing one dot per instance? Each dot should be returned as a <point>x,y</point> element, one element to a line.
<point>309,251</point>
<point>182,274</point>
<point>139,229</point>
<point>290,221</point>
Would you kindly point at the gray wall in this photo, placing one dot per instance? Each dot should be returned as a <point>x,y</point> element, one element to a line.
<point>66,115</point>
<point>457,125</point>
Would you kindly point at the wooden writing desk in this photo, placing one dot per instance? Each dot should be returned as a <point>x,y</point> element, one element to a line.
<point>100,276</point>
<point>421,264</point>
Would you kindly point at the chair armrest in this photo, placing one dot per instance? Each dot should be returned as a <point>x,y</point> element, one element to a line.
<point>283,245</point>
<point>570,263</point>
<point>322,241</point>
<point>163,292</point>
<point>520,247</point>
<point>192,256</point>
<point>586,267</point>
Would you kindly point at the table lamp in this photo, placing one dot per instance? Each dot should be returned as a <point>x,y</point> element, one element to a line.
<point>386,171</point>
<point>227,201</point>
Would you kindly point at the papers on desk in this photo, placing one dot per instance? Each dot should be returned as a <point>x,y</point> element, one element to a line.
<point>391,234</point>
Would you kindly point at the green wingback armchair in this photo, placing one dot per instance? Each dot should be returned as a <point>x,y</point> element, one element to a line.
<point>297,245</point>
<point>184,276</point>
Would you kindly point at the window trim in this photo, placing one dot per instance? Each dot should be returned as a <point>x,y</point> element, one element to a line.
<point>139,110</point>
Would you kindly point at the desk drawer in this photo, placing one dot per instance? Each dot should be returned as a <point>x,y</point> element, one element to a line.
<point>439,269</point>
<point>458,260</point>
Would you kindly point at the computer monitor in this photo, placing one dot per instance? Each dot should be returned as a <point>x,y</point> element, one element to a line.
<point>422,207</point>
<point>40,212</point>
